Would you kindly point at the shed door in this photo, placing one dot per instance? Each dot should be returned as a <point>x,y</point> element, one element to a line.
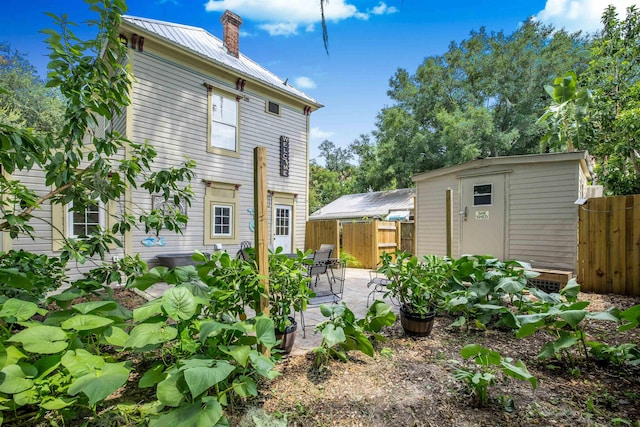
<point>282,227</point>
<point>482,215</point>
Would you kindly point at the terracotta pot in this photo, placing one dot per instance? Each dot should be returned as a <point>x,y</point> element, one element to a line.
<point>416,325</point>
<point>288,337</point>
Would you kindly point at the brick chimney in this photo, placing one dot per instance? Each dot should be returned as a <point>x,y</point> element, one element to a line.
<point>231,32</point>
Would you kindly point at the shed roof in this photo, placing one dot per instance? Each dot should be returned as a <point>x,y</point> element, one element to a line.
<point>579,156</point>
<point>372,204</point>
<point>207,46</point>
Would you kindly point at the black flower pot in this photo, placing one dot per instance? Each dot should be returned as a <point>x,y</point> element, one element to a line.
<point>416,325</point>
<point>288,337</point>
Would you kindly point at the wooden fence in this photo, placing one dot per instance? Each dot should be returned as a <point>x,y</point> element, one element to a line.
<point>609,245</point>
<point>319,232</point>
<point>365,240</point>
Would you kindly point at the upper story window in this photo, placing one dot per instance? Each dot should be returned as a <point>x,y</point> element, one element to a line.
<point>273,108</point>
<point>223,124</point>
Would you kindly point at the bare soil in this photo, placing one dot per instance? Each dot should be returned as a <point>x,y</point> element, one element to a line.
<point>416,386</point>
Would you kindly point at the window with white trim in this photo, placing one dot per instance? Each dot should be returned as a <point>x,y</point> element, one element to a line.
<point>222,220</point>
<point>223,123</point>
<point>221,213</point>
<point>82,224</point>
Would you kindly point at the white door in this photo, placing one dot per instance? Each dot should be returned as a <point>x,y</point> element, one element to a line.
<point>482,215</point>
<point>282,223</point>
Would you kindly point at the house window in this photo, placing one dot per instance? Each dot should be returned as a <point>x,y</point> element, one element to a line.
<point>482,195</point>
<point>82,224</point>
<point>273,108</point>
<point>223,124</point>
<point>221,212</point>
<point>222,220</point>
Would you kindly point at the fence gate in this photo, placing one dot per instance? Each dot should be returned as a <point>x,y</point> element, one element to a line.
<point>366,241</point>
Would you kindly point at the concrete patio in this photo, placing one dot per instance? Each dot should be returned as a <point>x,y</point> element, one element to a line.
<point>355,296</point>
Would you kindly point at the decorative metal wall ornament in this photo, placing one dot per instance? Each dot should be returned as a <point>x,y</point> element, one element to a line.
<point>159,203</point>
<point>284,156</point>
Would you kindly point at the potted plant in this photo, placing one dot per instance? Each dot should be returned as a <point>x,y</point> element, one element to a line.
<point>417,284</point>
<point>289,292</point>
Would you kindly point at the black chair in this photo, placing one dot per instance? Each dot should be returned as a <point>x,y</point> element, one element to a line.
<point>319,266</point>
<point>328,285</point>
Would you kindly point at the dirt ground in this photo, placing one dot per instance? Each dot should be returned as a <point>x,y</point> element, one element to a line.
<point>415,386</point>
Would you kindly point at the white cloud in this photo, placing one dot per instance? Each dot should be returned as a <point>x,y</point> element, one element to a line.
<point>316,134</point>
<point>574,15</point>
<point>383,9</point>
<point>304,83</point>
<point>285,17</point>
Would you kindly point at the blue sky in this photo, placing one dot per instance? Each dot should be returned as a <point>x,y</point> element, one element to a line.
<point>368,40</point>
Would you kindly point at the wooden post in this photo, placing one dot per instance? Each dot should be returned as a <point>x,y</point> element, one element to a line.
<point>449,215</point>
<point>261,232</point>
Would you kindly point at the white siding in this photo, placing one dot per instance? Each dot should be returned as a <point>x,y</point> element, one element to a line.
<point>170,111</point>
<point>543,226</point>
<point>541,217</point>
<point>431,222</point>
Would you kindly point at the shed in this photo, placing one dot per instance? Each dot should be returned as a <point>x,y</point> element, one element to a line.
<point>391,205</point>
<point>516,207</point>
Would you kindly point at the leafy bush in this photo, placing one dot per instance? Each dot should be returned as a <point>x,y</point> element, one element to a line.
<point>29,276</point>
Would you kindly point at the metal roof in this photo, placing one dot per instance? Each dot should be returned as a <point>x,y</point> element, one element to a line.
<point>372,204</point>
<point>209,47</point>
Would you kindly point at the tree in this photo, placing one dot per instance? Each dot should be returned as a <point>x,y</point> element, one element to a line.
<point>480,98</point>
<point>81,165</point>
<point>614,77</point>
<point>27,101</point>
<point>332,181</point>
<point>567,114</point>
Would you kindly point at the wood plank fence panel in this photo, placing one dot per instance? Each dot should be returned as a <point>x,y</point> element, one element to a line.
<point>319,232</point>
<point>359,239</point>
<point>407,237</point>
<point>609,245</point>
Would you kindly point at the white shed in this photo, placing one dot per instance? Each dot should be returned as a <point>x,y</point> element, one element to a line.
<point>516,207</point>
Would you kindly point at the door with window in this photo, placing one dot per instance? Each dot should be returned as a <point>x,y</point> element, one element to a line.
<point>282,223</point>
<point>482,215</point>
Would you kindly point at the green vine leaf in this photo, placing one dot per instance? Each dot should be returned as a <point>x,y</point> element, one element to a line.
<point>42,339</point>
<point>179,303</point>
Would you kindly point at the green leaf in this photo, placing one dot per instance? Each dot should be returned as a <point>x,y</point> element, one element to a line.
<point>265,331</point>
<point>93,306</point>
<point>263,365</point>
<point>519,371</point>
<point>207,412</point>
<point>86,322</point>
<point>42,339</point>
<point>155,275</point>
<point>150,334</point>
<point>333,335</point>
<point>573,317</point>
<point>473,350</point>
<point>147,310</point>
<point>245,386</point>
<point>13,379</point>
<point>115,336</point>
<point>99,384</point>
<point>511,285</point>
<point>18,309</point>
<point>170,390</point>
<point>80,362</point>
<point>152,376</point>
<point>179,303</point>
<point>56,403</point>
<point>203,378</point>
<point>240,353</point>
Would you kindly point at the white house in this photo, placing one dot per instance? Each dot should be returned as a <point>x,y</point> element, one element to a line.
<point>197,96</point>
<point>517,207</point>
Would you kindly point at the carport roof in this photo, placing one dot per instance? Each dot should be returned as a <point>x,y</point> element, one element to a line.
<point>367,205</point>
